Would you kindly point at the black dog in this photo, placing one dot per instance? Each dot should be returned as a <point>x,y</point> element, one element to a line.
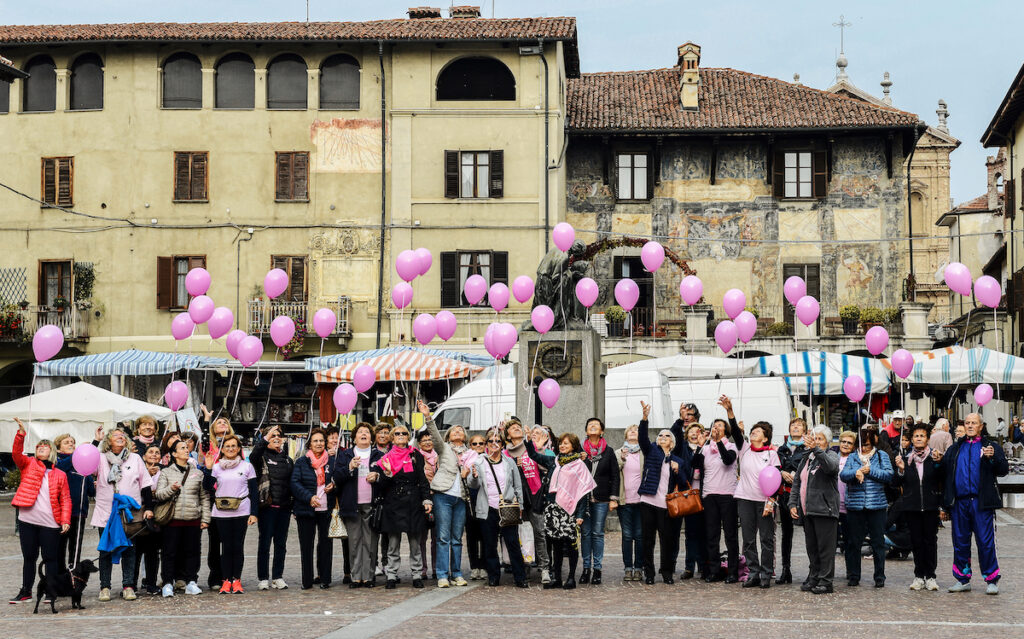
<point>68,583</point>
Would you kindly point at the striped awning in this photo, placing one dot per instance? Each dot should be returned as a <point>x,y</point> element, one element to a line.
<point>825,372</point>
<point>333,361</point>
<point>924,356</point>
<point>403,365</point>
<point>969,366</point>
<point>130,362</point>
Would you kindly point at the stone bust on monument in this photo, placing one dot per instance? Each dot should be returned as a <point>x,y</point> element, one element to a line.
<point>557,276</point>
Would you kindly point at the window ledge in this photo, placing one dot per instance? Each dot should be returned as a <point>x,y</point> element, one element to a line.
<point>167,108</point>
<point>306,201</point>
<point>82,110</point>
<point>287,108</point>
<point>339,108</point>
<point>57,207</point>
<point>190,201</point>
<point>800,199</point>
<point>252,108</point>
<point>28,112</point>
<point>632,201</point>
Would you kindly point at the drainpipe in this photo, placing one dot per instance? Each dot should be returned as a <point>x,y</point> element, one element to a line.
<point>910,218</point>
<point>547,174</point>
<point>383,189</point>
<point>238,275</point>
<point>1010,313</point>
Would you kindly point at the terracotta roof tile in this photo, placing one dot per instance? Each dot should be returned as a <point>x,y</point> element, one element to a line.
<point>979,203</point>
<point>728,99</point>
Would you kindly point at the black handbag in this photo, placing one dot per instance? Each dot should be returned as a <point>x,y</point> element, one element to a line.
<point>509,513</point>
<point>376,514</point>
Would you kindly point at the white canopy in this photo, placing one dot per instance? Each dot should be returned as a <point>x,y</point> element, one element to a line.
<point>825,371</point>
<point>77,408</point>
<point>969,366</point>
<point>694,366</point>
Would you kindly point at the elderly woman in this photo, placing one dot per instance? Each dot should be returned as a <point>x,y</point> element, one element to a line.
<point>663,473</point>
<point>218,430</point>
<point>147,547</point>
<point>474,533</point>
<point>715,458</point>
<point>631,467</point>
<point>235,498</point>
<point>605,470</point>
<point>180,550</point>
<point>567,497</point>
<point>757,513</point>
<point>145,432</point>
<point>355,498</point>
<point>270,459</point>
<point>44,511</point>
<point>815,499</point>
<point>532,477</point>
<point>866,474</point>
<point>311,486</point>
<point>496,478</point>
<point>921,475</point>
<point>791,455</point>
<point>82,488</point>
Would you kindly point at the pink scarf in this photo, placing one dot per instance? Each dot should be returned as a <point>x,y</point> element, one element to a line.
<point>570,483</point>
<point>400,460</point>
<point>430,457</point>
<point>917,458</point>
<point>530,470</point>
<point>594,451</point>
<point>318,464</point>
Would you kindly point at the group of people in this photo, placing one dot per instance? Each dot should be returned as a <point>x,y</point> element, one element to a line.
<point>521,497</point>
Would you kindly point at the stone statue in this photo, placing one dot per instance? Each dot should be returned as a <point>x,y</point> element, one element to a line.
<point>556,287</point>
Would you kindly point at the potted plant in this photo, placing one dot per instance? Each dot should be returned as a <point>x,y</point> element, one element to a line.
<point>891,317</point>
<point>780,329</point>
<point>850,315</point>
<point>615,316</point>
<point>871,316</point>
<point>60,303</point>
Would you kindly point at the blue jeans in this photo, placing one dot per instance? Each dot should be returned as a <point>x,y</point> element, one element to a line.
<point>449,522</point>
<point>127,567</point>
<point>593,533</point>
<point>632,536</point>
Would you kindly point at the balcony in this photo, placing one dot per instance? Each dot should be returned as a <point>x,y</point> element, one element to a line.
<point>18,324</point>
<point>261,313</point>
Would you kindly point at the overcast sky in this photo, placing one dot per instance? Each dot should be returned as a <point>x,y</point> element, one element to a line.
<point>964,52</point>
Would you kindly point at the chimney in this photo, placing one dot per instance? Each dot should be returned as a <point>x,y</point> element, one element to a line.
<point>886,87</point>
<point>689,70</point>
<point>416,13</point>
<point>464,11</point>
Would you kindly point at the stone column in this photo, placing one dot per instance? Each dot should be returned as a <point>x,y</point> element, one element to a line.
<point>313,89</point>
<point>209,87</point>
<point>915,325</point>
<point>63,97</point>
<point>260,101</point>
<point>697,326</point>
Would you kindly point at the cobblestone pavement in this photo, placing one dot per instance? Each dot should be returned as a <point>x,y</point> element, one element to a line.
<point>614,609</point>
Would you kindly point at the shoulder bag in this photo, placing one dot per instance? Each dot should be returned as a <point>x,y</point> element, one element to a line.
<point>509,513</point>
<point>684,502</point>
<point>163,513</point>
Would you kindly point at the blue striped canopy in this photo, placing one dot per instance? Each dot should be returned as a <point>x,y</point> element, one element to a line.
<point>331,361</point>
<point>825,371</point>
<point>131,362</point>
<point>970,366</point>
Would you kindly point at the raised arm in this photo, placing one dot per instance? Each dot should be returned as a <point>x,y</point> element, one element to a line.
<point>643,436</point>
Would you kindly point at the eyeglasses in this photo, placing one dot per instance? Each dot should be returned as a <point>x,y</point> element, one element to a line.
<point>477,444</point>
<point>399,433</point>
<point>847,442</point>
<point>493,441</point>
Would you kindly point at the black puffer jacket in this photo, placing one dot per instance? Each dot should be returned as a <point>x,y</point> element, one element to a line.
<point>790,459</point>
<point>279,466</point>
<point>920,494</point>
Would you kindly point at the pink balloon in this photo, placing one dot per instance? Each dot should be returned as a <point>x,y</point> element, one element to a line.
<point>475,289</point>
<point>197,281</point>
<point>345,397</point>
<point>250,350</point>
<point>85,459</point>
<point>807,309</point>
<point>652,255</point>
<point>497,297</point>
<point>446,325</point>
<point>200,309</point>
<point>876,339</point>
<point>794,288</point>
<point>505,337</point>
<point>522,289</point>
<point>363,378</point>
<point>232,341</point>
<point>220,322</point>
<point>324,322</point>
<point>176,394</point>
<point>47,342</point>
<point>627,293</point>
<point>549,391</point>
<point>769,479</point>
<point>958,278</point>
<point>746,326</point>
<point>691,289</point>
<point>902,363</point>
<point>182,326</point>
<point>408,265</point>
<point>987,291</point>
<point>982,394</point>
<point>587,291</point>
<point>734,301</point>
<point>275,282</point>
<point>424,327</point>
<point>401,295</point>
<point>725,335</point>
<point>563,236</point>
<point>282,330</point>
<point>489,341</point>
<point>425,259</point>
<point>853,386</point>
<point>542,318</point>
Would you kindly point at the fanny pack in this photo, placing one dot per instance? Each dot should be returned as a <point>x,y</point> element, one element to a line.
<point>227,503</point>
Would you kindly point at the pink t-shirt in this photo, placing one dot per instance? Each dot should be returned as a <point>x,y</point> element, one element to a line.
<point>321,495</point>
<point>632,470</point>
<point>658,500</point>
<point>494,491</point>
<point>842,485</point>
<point>364,491</point>
<point>134,477</point>
<point>41,512</point>
<point>718,478</point>
<point>233,482</point>
<point>751,464</point>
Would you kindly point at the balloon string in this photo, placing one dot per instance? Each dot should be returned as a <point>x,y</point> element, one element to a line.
<point>234,404</point>
<point>270,391</point>
<point>78,527</point>
<point>963,340</point>
<point>224,404</point>
<point>31,391</point>
<point>188,360</point>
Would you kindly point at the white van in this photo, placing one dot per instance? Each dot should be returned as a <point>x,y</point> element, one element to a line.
<point>754,399</point>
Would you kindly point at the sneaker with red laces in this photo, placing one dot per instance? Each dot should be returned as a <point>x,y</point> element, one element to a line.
<point>236,587</point>
<point>225,588</point>
<point>22,596</point>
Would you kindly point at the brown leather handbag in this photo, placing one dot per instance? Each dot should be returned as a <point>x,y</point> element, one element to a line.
<point>684,502</point>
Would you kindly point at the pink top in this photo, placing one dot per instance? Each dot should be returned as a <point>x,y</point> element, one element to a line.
<point>234,482</point>
<point>658,500</point>
<point>632,470</point>
<point>364,491</point>
<point>493,492</point>
<point>718,478</point>
<point>134,477</point>
<point>842,484</point>
<point>41,512</point>
<point>321,494</point>
<point>751,464</point>
<point>804,476</point>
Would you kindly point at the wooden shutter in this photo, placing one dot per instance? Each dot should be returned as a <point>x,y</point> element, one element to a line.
<point>49,180</point>
<point>499,267</point>
<point>283,191</point>
<point>617,267</point>
<point>196,261</point>
<point>497,186</point>
<point>300,176</point>
<point>614,181</point>
<point>182,188</point>
<point>779,174</point>
<point>451,296</point>
<point>1010,198</point>
<point>199,176</point>
<point>820,188</point>
<point>451,174</point>
<point>297,276</point>
<point>788,271</point>
<point>164,282</point>
<point>65,184</point>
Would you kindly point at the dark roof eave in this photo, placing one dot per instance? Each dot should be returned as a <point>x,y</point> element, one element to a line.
<point>907,128</point>
<point>8,71</point>
<point>992,137</point>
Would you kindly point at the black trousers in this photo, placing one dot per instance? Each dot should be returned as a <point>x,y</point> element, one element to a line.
<point>675,531</point>
<point>820,535</point>
<point>180,551</point>
<point>720,516</point>
<point>273,524</point>
<point>475,543</point>
<point>232,540</point>
<point>654,520</point>
<point>787,531</point>
<point>492,533</point>
<point>35,539</point>
<point>564,549</point>
<point>863,523</point>
<point>696,541</point>
<point>71,542</point>
<point>347,569</point>
<point>147,547</point>
<point>310,528</point>
<point>213,551</point>
<point>924,540</point>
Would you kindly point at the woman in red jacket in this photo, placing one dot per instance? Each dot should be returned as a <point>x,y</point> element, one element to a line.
<point>44,511</point>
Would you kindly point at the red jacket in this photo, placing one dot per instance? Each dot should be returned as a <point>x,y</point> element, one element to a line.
<point>32,478</point>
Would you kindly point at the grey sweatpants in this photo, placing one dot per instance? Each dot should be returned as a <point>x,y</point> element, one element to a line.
<point>753,525</point>
<point>820,534</point>
<point>395,555</point>
<point>540,546</point>
<point>362,544</point>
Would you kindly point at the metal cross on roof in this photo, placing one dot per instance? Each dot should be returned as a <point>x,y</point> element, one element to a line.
<point>842,24</point>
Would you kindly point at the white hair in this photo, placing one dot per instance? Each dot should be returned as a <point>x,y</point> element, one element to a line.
<point>942,424</point>
<point>822,430</point>
<point>665,431</point>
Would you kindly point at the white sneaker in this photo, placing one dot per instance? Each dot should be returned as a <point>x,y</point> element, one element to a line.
<point>917,584</point>
<point>193,589</point>
<point>128,594</point>
<point>992,589</point>
<point>278,584</point>
<point>263,585</point>
<point>959,587</point>
<point>104,594</point>
<point>931,584</point>
<point>545,576</point>
<point>168,590</point>
<point>442,583</point>
<point>459,581</point>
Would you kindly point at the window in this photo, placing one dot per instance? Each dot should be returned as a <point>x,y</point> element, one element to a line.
<point>87,82</point>
<point>236,82</point>
<point>292,177</point>
<point>339,83</point>
<point>58,181</point>
<point>457,266</point>
<point>182,82</point>
<point>800,174</point>
<point>478,174</point>
<point>812,276</point>
<point>286,82</point>
<point>295,267</point>
<point>54,282</point>
<point>170,279</point>
<point>41,86</point>
<point>476,79</point>
<point>5,96</point>
<point>632,171</point>
<point>453,416</point>
<point>190,176</point>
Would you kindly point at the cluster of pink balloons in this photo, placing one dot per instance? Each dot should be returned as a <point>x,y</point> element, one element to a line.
<point>986,288</point>
<point>409,264</point>
<point>498,294</point>
<point>741,325</point>
<point>807,308</point>
<point>500,338</point>
<point>426,327</point>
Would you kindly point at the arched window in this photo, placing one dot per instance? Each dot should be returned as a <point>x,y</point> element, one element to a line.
<point>183,82</point>
<point>339,82</point>
<point>476,79</point>
<point>87,82</point>
<point>41,85</point>
<point>286,82</point>
<point>236,82</point>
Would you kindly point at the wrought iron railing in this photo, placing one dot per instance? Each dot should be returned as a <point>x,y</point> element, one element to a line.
<point>20,324</point>
<point>261,313</point>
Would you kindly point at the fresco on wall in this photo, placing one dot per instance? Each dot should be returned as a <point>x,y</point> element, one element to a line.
<point>346,145</point>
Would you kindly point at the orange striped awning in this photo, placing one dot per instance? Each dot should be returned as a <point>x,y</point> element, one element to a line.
<point>408,365</point>
<point>925,356</point>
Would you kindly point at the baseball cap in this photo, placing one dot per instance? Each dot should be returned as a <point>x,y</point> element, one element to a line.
<point>898,414</point>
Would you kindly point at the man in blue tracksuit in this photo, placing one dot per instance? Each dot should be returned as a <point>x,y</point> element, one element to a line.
<point>971,498</point>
